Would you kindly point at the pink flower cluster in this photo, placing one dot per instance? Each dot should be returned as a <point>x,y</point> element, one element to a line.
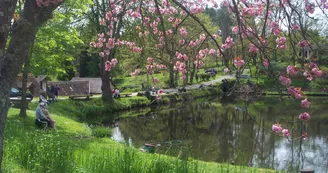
<point>314,71</point>
<point>278,129</point>
<point>226,70</point>
<point>160,92</point>
<point>304,116</point>
<point>266,62</point>
<point>110,64</point>
<point>303,43</point>
<point>285,80</point>
<point>309,6</point>
<point>45,3</point>
<point>292,70</point>
<point>295,92</point>
<point>228,43</point>
<point>180,67</point>
<point>253,48</point>
<point>239,62</point>
<point>281,43</point>
<point>275,28</point>
<point>305,103</point>
<point>181,56</point>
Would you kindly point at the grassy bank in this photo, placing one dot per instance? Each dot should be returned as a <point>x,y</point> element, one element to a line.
<point>75,147</point>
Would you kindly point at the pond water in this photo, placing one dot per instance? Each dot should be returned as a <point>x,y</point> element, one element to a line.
<point>235,132</point>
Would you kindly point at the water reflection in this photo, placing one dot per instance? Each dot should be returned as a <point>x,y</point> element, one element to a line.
<point>212,131</point>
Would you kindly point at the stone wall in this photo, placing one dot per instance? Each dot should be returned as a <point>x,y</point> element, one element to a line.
<point>71,87</point>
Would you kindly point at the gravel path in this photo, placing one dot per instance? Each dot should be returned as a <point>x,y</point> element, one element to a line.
<point>195,86</point>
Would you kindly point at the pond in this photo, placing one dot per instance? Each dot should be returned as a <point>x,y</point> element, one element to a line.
<point>235,132</point>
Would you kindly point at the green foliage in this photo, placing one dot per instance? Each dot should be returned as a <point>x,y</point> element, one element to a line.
<point>101,131</point>
<point>58,43</point>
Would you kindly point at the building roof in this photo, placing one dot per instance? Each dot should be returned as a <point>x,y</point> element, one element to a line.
<point>71,87</point>
<point>95,84</point>
<point>30,80</point>
<point>41,78</point>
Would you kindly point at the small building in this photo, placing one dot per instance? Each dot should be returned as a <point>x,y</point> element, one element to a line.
<point>32,85</point>
<point>70,87</point>
<point>42,80</point>
<point>94,84</point>
<point>314,51</point>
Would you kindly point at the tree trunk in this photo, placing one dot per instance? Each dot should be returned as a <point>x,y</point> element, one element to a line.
<point>23,34</point>
<point>7,9</point>
<point>24,105</point>
<point>192,74</point>
<point>171,80</point>
<point>105,87</point>
<point>107,94</point>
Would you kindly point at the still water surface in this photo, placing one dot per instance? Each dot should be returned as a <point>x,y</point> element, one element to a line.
<point>235,132</point>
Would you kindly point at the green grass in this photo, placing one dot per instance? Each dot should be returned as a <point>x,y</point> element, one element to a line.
<point>77,148</point>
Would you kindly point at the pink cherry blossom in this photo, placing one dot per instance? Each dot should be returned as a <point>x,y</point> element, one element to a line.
<point>226,70</point>
<point>305,103</point>
<point>101,54</point>
<point>266,62</point>
<point>212,51</point>
<point>276,128</point>
<point>304,116</point>
<point>253,48</point>
<point>150,60</point>
<point>295,92</point>
<point>309,7</point>
<point>182,42</point>
<point>296,27</point>
<point>93,44</point>
<point>235,30</point>
<point>292,70</point>
<point>183,32</point>
<point>239,62</point>
<point>285,80</point>
<point>303,43</point>
<point>316,72</point>
<point>285,132</point>
<point>108,66</point>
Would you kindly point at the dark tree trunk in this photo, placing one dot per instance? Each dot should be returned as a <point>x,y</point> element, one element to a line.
<point>105,83</point>
<point>23,34</point>
<point>23,106</point>
<point>105,87</point>
<point>7,9</point>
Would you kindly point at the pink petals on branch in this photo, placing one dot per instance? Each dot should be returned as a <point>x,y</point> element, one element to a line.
<point>304,116</point>
<point>276,128</point>
<point>292,70</point>
<point>281,43</point>
<point>239,62</point>
<point>305,103</point>
<point>285,80</point>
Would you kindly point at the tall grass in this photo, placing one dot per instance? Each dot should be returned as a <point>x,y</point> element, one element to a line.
<point>44,151</point>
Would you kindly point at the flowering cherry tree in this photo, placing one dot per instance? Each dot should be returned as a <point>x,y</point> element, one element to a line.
<point>278,26</point>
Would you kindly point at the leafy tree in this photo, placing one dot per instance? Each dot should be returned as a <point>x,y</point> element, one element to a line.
<point>23,33</point>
